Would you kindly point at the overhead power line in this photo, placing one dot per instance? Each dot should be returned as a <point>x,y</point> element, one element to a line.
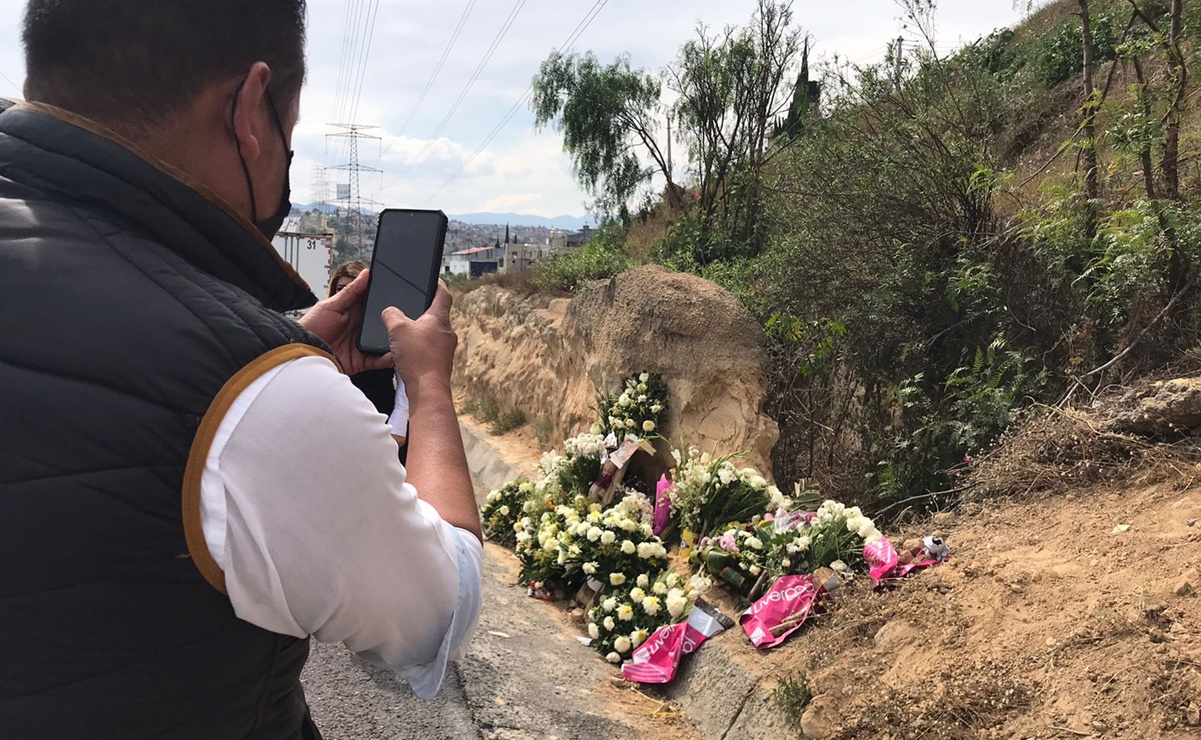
<point>504,121</point>
<point>454,38</point>
<point>479,69</point>
<point>16,87</point>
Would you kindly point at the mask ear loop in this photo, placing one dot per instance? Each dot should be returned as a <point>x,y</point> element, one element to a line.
<point>254,206</point>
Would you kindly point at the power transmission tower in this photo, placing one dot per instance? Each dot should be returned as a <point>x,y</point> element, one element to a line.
<point>351,194</point>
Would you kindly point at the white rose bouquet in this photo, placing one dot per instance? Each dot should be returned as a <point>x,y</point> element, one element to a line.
<point>617,545</point>
<point>573,542</point>
<point>626,618</point>
<point>711,492</point>
<point>638,410</point>
<point>502,509</point>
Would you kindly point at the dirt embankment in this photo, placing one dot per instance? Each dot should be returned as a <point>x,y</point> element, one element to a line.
<point>551,359</point>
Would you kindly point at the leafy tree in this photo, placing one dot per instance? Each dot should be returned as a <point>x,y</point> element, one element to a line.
<point>607,114</point>
<point>733,89</point>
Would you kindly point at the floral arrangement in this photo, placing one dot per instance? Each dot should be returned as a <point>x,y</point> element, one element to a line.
<point>639,409</point>
<point>561,477</point>
<point>747,557</point>
<point>573,542</point>
<point>625,619</point>
<point>503,508</point>
<point>711,492</point>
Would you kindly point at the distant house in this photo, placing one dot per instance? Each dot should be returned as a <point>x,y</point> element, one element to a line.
<point>581,237</point>
<point>519,257</point>
<point>473,263</point>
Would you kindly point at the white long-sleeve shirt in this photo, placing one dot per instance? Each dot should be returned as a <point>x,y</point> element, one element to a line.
<point>305,508</point>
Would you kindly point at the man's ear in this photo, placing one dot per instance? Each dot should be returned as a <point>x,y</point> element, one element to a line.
<point>248,112</point>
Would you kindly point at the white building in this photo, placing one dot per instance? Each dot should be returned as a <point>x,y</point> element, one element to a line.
<point>311,255</point>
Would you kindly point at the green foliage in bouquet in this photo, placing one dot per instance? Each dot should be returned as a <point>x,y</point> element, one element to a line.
<point>638,410</point>
<point>711,492</point>
<point>625,619</point>
<point>503,508</point>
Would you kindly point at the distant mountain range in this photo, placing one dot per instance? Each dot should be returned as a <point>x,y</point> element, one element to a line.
<point>569,223</point>
<point>573,223</point>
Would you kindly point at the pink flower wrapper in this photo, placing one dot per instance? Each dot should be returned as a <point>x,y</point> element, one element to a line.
<point>663,504</point>
<point>658,659</point>
<point>884,562</point>
<point>784,609</point>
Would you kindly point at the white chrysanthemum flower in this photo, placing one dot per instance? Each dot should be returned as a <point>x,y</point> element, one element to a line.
<point>609,604</point>
<point>610,624</point>
<point>524,537</point>
<point>589,568</point>
<point>622,645</point>
<point>645,377</point>
<point>637,637</point>
<point>625,612</point>
<point>758,481</point>
<point>593,631</point>
<point>504,510</point>
<point>562,559</point>
<point>637,595</point>
<point>551,544</point>
<point>651,605</point>
<point>528,507</point>
<point>628,547</point>
<point>648,426</point>
<point>656,408</point>
<point>594,533</point>
<point>643,580</point>
<point>617,579</point>
<point>629,525</point>
<point>493,497</point>
<point>660,588</point>
<point>755,570</point>
<point>608,538</point>
<point>726,476</point>
<point>613,658</point>
<point>646,550</point>
<point>676,604</point>
<point>754,543</point>
<point>786,562</point>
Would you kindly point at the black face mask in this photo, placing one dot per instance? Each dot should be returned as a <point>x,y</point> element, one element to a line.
<point>269,226</point>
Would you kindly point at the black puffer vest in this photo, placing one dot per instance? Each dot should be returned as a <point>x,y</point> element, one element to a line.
<point>128,301</point>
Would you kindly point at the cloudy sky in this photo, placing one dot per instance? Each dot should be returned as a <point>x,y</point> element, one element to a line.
<point>432,161</point>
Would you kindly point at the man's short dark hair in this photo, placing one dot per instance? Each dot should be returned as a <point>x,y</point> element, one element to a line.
<point>139,61</point>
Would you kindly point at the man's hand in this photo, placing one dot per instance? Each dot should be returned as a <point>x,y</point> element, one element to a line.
<point>337,320</point>
<point>423,350</point>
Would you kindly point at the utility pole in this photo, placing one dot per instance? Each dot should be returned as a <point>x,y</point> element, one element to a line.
<point>353,193</point>
<point>898,58</point>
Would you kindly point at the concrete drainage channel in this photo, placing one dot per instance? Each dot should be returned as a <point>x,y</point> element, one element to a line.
<point>723,699</point>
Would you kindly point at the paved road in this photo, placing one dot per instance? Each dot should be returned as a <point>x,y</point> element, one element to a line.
<point>534,680</point>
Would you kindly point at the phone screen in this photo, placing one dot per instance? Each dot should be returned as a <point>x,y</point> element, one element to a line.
<point>404,270</point>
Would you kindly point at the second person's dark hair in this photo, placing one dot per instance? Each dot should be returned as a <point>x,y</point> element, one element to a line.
<point>136,62</point>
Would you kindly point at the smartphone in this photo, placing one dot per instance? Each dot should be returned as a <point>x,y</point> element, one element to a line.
<point>404,270</point>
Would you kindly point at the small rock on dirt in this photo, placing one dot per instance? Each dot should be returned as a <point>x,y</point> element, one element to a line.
<point>945,518</point>
<point>894,634</point>
<point>1187,585</point>
<point>1192,715</point>
<point>820,719</point>
<point>1121,528</point>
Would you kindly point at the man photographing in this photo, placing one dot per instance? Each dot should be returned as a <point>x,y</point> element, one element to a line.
<point>189,485</point>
